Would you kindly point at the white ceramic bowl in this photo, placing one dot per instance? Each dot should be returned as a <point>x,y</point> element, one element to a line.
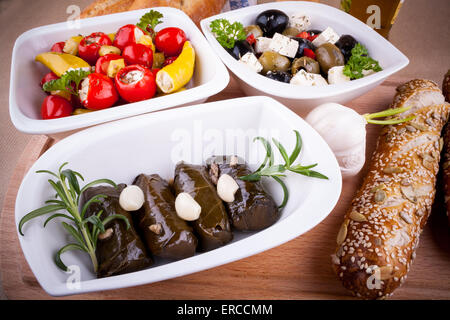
<point>159,140</point>
<point>26,96</point>
<point>303,99</point>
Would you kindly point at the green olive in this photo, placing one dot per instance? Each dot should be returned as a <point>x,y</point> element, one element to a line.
<point>273,61</point>
<point>290,32</point>
<point>310,65</point>
<point>329,56</point>
<point>158,60</point>
<point>253,29</point>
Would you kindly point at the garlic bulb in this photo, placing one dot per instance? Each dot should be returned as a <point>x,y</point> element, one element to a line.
<point>345,132</point>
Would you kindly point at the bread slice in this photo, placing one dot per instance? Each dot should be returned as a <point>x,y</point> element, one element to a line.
<point>102,7</point>
<point>196,9</point>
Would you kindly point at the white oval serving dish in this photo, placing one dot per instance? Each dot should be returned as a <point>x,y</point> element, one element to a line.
<point>304,99</point>
<point>26,96</point>
<point>154,143</point>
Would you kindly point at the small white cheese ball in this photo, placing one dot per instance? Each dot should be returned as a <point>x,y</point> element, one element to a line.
<point>336,75</point>
<point>131,198</point>
<point>226,188</point>
<point>186,207</point>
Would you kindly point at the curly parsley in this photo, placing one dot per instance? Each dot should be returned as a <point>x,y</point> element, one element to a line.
<point>227,33</point>
<point>149,21</point>
<point>360,61</point>
<point>65,82</point>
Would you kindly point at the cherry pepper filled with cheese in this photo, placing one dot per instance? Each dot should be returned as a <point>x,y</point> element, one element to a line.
<point>101,70</point>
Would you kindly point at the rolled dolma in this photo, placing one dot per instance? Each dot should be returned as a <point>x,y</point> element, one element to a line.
<point>123,251</point>
<point>166,234</point>
<point>252,208</point>
<point>213,226</point>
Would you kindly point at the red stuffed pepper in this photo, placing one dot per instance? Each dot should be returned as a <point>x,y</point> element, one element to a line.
<point>126,35</point>
<point>135,83</point>
<point>103,62</point>
<point>90,45</point>
<point>97,92</point>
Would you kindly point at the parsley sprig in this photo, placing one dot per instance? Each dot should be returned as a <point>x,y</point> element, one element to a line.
<point>227,33</point>
<point>65,82</point>
<point>269,169</point>
<point>359,61</point>
<point>149,21</point>
<point>69,192</point>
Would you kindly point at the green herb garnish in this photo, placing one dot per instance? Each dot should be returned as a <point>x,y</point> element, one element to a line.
<point>149,21</point>
<point>68,191</point>
<point>227,33</point>
<point>268,169</point>
<point>65,82</point>
<point>359,61</point>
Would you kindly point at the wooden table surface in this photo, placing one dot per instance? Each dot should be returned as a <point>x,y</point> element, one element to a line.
<point>299,269</point>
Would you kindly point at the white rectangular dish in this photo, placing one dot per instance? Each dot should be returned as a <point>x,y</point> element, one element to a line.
<point>154,143</point>
<point>26,96</point>
<point>304,99</point>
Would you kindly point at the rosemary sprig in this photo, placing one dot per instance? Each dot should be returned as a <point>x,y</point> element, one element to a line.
<point>268,169</point>
<point>68,191</point>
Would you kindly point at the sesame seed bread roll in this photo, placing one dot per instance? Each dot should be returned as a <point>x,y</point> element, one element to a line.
<point>376,243</point>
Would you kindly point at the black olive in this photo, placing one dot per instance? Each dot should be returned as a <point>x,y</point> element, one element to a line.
<point>272,21</point>
<point>240,48</point>
<point>346,43</point>
<point>279,76</point>
<point>302,44</point>
<point>314,32</point>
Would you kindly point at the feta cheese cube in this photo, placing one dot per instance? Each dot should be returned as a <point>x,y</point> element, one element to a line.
<point>299,21</point>
<point>303,78</point>
<point>284,45</point>
<point>262,44</point>
<point>328,35</point>
<point>250,60</point>
<point>336,75</point>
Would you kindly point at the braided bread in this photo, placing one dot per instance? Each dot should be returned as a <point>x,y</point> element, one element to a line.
<point>377,241</point>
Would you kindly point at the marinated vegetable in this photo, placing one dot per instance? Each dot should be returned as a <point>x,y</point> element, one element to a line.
<point>97,92</point>
<point>273,41</point>
<point>272,21</point>
<point>252,208</point>
<point>165,233</point>
<point>254,30</point>
<point>84,69</point>
<point>329,56</point>
<point>135,83</point>
<point>240,49</point>
<point>279,76</point>
<point>272,61</point>
<point>89,46</point>
<point>291,32</point>
<point>177,74</point>
<point>305,63</point>
<point>346,43</point>
<point>213,226</point>
<point>303,44</point>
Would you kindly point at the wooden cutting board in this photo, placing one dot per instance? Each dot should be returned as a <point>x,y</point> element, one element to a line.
<point>299,269</point>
